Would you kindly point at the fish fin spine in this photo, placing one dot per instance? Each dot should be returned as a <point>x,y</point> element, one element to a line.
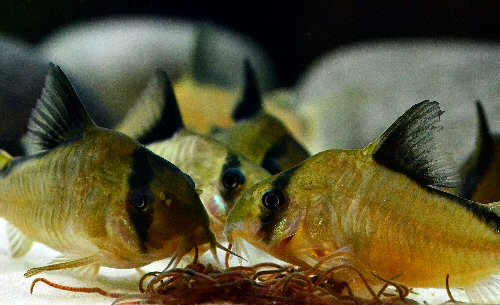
<point>5,159</point>
<point>485,292</point>
<point>485,138</point>
<point>410,146</point>
<point>155,115</point>
<point>82,266</point>
<point>19,243</point>
<point>59,116</point>
<point>250,103</point>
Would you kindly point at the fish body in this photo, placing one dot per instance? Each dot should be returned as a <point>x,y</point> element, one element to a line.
<point>481,172</point>
<point>96,195</point>
<point>258,135</point>
<point>217,171</point>
<point>374,209</point>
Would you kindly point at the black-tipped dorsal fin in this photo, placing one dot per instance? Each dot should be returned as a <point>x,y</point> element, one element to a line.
<point>410,146</point>
<point>250,103</point>
<point>478,163</point>
<point>485,138</point>
<point>156,115</point>
<point>58,117</point>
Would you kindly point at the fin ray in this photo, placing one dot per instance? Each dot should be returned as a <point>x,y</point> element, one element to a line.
<point>19,243</point>
<point>67,261</point>
<point>410,146</point>
<point>485,292</point>
<point>156,115</point>
<point>58,117</point>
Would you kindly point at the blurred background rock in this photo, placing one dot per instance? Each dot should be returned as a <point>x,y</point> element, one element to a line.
<point>331,50</point>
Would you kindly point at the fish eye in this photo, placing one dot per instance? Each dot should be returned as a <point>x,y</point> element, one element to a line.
<point>232,178</point>
<point>273,199</point>
<point>141,199</point>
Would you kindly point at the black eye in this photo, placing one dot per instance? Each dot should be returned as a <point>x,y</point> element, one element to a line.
<point>141,199</point>
<point>273,199</point>
<point>232,178</point>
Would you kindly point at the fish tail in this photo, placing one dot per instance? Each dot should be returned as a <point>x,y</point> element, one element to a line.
<point>5,159</point>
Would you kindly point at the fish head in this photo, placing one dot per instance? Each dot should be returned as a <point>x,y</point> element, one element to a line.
<point>267,215</point>
<point>232,180</point>
<point>163,212</point>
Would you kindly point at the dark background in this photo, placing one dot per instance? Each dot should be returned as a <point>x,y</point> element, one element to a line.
<point>294,32</point>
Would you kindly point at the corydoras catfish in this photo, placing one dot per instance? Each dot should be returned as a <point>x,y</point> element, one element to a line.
<point>481,172</point>
<point>375,209</point>
<point>218,172</point>
<point>258,135</point>
<point>96,195</point>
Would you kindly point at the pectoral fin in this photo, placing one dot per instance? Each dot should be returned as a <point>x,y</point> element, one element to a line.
<point>19,243</point>
<point>485,292</point>
<point>86,267</point>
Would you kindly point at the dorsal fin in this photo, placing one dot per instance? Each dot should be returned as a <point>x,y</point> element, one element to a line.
<point>479,162</point>
<point>485,138</point>
<point>156,115</point>
<point>410,146</point>
<point>199,67</point>
<point>250,103</point>
<point>58,117</point>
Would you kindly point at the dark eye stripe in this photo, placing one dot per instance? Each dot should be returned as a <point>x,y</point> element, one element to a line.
<point>269,217</point>
<point>141,176</point>
<point>231,161</point>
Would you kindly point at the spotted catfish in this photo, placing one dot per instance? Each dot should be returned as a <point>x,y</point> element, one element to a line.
<point>377,209</point>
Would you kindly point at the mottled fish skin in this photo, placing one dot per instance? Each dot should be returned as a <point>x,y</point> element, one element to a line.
<point>206,161</point>
<point>379,219</point>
